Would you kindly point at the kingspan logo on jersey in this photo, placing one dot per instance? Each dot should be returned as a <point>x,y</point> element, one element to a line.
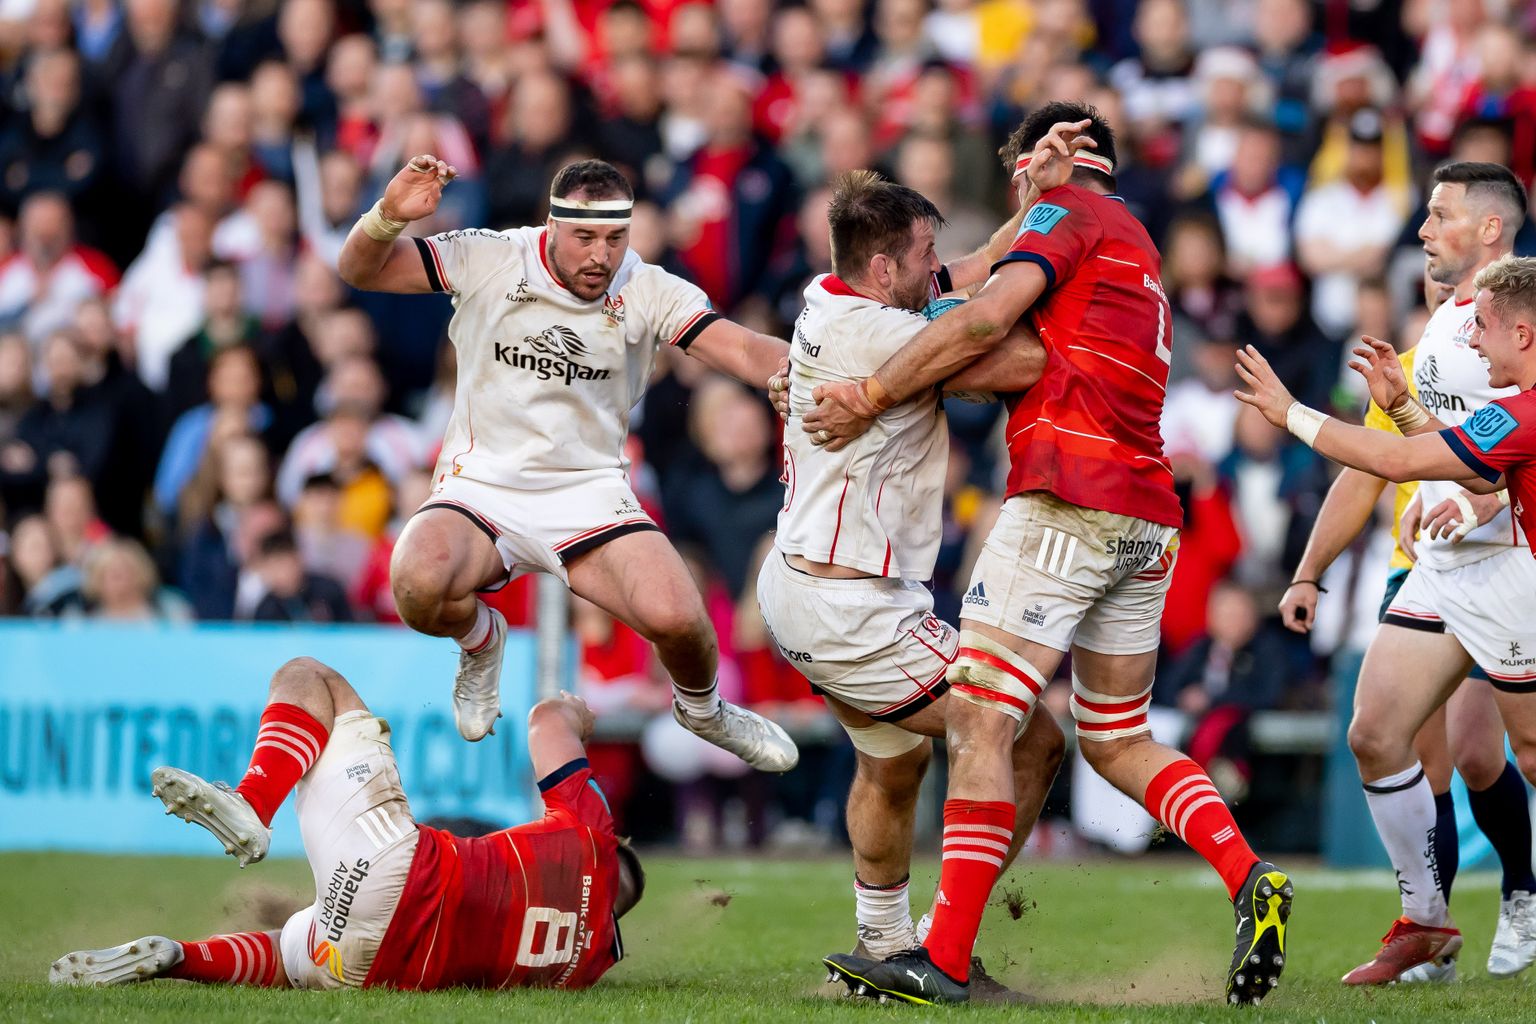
<point>1427,377</point>
<point>552,354</point>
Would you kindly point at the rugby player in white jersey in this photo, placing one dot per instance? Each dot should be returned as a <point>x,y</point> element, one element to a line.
<point>843,590</point>
<point>1467,600</point>
<point>556,328</point>
<point>1466,732</point>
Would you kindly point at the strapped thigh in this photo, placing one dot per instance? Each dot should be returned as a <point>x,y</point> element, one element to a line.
<point>987,673</point>
<point>882,739</point>
<point>1100,716</point>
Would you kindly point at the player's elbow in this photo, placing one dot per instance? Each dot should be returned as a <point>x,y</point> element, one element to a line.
<point>546,710</point>
<point>1399,467</point>
<point>352,273</point>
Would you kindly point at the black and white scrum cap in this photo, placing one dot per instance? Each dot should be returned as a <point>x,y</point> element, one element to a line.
<point>591,211</point>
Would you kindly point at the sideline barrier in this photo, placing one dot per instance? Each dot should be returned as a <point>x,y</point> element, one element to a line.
<point>88,710</point>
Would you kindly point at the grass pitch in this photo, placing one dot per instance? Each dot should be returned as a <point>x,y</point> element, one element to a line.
<point>739,940</point>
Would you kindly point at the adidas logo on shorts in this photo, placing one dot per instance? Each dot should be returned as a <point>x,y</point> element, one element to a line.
<point>977,595</point>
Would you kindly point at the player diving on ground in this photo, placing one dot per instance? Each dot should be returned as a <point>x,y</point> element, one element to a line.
<point>397,904</point>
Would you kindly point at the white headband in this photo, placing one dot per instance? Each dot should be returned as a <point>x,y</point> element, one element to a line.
<point>1082,158</point>
<point>591,211</point>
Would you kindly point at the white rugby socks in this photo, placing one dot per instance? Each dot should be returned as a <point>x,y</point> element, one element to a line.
<point>480,633</point>
<point>698,704</point>
<point>884,916</point>
<point>1403,809</point>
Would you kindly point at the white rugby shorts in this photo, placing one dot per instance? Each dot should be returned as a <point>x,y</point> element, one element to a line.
<point>873,644</point>
<point>1486,605</point>
<point>541,531</point>
<point>1059,574</point>
<point>360,838</point>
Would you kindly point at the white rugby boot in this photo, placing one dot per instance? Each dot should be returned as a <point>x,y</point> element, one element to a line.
<point>748,735</point>
<point>217,808</point>
<point>139,960</point>
<point>1514,942</point>
<point>477,687</point>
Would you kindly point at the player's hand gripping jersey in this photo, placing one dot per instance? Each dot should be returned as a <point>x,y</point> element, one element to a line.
<point>546,380</point>
<point>528,906</point>
<point>873,506</point>
<point>1089,431</point>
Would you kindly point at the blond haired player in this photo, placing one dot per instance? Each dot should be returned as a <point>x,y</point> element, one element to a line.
<point>556,328</point>
<point>1466,731</point>
<point>1483,606</point>
<point>843,590</point>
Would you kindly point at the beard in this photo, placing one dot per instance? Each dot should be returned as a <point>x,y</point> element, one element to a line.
<point>1443,271</point>
<point>916,297</point>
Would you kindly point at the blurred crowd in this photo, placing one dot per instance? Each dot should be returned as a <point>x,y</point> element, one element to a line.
<point>198,420</point>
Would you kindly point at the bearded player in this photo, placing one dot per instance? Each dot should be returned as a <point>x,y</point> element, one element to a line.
<point>556,329</point>
<point>397,904</point>
<point>1483,608</point>
<point>1079,559</point>
<point>1474,212</point>
<point>843,590</point>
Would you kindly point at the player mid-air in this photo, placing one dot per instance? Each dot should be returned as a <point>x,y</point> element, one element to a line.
<point>1484,616</point>
<point>397,905</point>
<point>1474,212</point>
<point>1079,559</point>
<point>842,591</point>
<point>556,329</point>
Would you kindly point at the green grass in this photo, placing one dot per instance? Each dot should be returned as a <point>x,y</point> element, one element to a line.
<point>1098,941</point>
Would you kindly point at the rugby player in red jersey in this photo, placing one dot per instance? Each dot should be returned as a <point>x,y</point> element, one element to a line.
<point>1079,560</point>
<point>397,904</point>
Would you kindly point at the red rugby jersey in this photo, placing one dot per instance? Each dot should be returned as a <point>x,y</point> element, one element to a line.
<point>1500,439</point>
<point>530,906</point>
<point>1090,431</point>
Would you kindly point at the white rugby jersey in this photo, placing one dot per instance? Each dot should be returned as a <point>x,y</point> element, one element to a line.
<point>546,381</point>
<point>874,506</point>
<point>1452,381</point>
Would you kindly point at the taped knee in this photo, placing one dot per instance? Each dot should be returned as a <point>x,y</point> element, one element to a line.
<point>987,673</point>
<point>1103,717</point>
<point>882,739</point>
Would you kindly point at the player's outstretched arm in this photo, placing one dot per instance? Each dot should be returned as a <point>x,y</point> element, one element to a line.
<point>732,349</point>
<point>1016,364</point>
<point>938,351</point>
<point>1399,459</point>
<point>972,268</point>
<point>373,257</point>
<point>557,729</point>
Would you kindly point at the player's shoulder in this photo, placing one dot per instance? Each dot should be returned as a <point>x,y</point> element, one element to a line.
<point>636,277</point>
<point>844,309</point>
<point>476,236</point>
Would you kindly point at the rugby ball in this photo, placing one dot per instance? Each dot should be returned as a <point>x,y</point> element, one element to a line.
<point>938,307</point>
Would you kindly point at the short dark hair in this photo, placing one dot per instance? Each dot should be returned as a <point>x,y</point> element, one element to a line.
<point>598,179</point>
<point>1034,127</point>
<point>870,215</point>
<point>1490,181</point>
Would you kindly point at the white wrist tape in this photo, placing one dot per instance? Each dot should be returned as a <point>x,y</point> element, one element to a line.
<point>1504,498</point>
<point>379,227</point>
<point>1469,520</point>
<point>1304,423</point>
